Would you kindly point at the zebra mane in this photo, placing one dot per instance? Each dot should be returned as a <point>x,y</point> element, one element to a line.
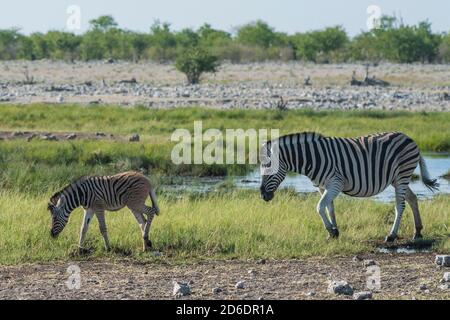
<point>287,139</point>
<point>54,198</point>
<point>310,136</point>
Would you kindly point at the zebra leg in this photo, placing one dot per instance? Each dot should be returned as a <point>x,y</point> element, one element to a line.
<point>150,212</point>
<point>411,198</point>
<point>331,192</point>
<point>142,222</point>
<point>400,192</point>
<point>88,214</point>
<point>332,215</point>
<point>103,230</point>
<point>330,209</point>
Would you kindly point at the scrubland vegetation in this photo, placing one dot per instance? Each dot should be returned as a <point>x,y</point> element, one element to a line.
<point>256,41</point>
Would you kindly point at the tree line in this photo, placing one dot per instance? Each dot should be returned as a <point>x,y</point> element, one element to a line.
<point>257,41</point>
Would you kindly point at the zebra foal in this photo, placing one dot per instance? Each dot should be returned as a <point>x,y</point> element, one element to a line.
<point>98,194</point>
<point>358,167</point>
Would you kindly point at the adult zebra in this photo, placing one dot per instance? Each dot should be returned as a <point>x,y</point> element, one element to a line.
<point>97,194</point>
<point>358,167</point>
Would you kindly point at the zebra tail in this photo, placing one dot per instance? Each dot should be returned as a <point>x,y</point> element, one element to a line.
<point>431,184</point>
<point>154,201</point>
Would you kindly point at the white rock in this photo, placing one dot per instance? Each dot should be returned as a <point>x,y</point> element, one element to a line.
<point>340,287</point>
<point>363,295</point>
<point>445,286</point>
<point>443,260</point>
<point>368,263</point>
<point>181,289</point>
<point>446,277</point>
<point>240,285</point>
<point>157,254</point>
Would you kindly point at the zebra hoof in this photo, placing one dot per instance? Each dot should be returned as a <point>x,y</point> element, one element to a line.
<point>390,238</point>
<point>83,251</point>
<point>417,236</point>
<point>147,245</point>
<point>333,234</point>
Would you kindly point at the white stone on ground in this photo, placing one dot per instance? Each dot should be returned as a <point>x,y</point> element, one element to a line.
<point>446,277</point>
<point>340,287</point>
<point>443,260</point>
<point>181,289</point>
<point>368,263</point>
<point>363,295</point>
<point>252,272</point>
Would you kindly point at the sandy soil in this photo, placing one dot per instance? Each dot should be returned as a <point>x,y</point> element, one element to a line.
<point>413,276</point>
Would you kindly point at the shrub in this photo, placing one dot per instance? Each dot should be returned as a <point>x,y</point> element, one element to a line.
<point>195,61</point>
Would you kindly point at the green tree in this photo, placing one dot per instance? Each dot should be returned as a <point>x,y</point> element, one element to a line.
<point>139,43</point>
<point>209,37</point>
<point>195,61</point>
<point>68,44</point>
<point>41,46</point>
<point>258,33</point>
<point>444,49</point>
<point>91,46</point>
<point>111,41</point>
<point>103,23</point>
<point>320,45</point>
<point>9,39</point>
<point>163,41</point>
<point>186,38</point>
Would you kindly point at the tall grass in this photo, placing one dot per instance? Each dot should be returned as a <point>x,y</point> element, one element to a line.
<point>221,225</point>
<point>40,166</point>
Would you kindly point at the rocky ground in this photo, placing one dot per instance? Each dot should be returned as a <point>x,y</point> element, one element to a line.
<point>257,85</point>
<point>403,276</point>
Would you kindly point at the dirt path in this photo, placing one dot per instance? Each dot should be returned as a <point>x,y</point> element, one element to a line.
<point>401,277</point>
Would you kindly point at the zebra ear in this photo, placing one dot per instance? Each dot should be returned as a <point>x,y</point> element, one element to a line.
<point>62,200</point>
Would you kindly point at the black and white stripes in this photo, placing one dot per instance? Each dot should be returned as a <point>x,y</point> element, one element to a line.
<point>359,167</point>
<point>97,194</point>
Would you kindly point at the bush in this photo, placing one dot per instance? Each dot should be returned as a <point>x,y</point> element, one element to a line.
<point>195,61</point>
<point>444,49</point>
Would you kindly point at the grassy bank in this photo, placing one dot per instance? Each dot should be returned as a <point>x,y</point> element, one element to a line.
<point>429,130</point>
<point>39,167</point>
<point>226,225</point>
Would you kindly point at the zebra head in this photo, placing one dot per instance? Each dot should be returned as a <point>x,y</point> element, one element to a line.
<point>273,170</point>
<point>56,206</point>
